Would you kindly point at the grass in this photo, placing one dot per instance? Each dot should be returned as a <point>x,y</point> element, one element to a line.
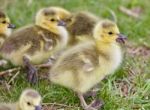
<point>125,90</point>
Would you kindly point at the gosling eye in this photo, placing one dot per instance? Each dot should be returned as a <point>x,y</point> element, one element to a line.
<point>29,104</point>
<point>52,19</point>
<point>110,33</point>
<point>3,22</point>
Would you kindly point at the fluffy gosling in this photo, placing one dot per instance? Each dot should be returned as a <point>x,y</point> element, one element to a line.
<point>29,100</point>
<point>80,26</point>
<point>5,27</point>
<point>86,64</point>
<point>34,44</point>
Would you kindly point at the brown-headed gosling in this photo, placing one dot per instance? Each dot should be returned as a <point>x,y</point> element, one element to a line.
<point>80,26</point>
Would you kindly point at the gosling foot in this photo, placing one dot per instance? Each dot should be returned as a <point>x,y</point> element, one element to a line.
<point>95,105</point>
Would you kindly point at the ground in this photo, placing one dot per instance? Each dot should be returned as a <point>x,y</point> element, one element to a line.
<point>128,88</point>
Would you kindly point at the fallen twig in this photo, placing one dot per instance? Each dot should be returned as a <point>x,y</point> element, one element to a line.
<point>129,12</point>
<point>46,65</point>
<point>18,68</point>
<point>62,105</point>
<point>29,2</point>
<point>9,71</point>
<point>7,86</point>
<point>12,79</point>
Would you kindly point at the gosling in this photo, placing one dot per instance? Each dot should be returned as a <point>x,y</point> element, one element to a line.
<point>84,65</point>
<point>29,100</point>
<point>34,44</point>
<point>80,26</point>
<point>5,27</point>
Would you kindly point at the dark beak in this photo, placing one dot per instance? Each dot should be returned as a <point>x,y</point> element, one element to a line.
<point>38,108</point>
<point>121,38</point>
<point>61,23</point>
<point>11,26</point>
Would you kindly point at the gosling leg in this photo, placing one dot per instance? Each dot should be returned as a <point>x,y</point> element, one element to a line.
<point>31,71</point>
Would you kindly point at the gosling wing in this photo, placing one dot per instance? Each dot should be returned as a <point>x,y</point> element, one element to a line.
<point>7,107</point>
<point>33,36</point>
<point>82,57</point>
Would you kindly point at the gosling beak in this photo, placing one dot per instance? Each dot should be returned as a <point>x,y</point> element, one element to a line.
<point>11,26</point>
<point>61,23</point>
<point>121,38</point>
<point>38,108</point>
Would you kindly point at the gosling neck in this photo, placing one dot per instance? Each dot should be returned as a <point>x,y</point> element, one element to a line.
<point>63,35</point>
<point>18,106</point>
<point>104,46</point>
<point>5,33</point>
<point>50,28</point>
<point>2,38</point>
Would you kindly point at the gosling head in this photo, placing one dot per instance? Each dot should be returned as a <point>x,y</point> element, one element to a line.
<point>5,25</point>
<point>30,100</point>
<point>107,31</point>
<point>50,19</point>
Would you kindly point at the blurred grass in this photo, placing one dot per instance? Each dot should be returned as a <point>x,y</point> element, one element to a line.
<point>22,12</point>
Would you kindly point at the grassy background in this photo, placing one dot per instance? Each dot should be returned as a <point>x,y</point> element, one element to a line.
<point>124,90</point>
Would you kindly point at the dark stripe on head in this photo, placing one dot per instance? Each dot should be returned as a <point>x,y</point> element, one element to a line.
<point>33,94</point>
<point>2,15</point>
<point>48,12</point>
<point>107,24</point>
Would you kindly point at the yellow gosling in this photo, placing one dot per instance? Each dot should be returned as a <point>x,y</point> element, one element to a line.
<point>36,43</point>
<point>84,65</point>
<point>29,100</point>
